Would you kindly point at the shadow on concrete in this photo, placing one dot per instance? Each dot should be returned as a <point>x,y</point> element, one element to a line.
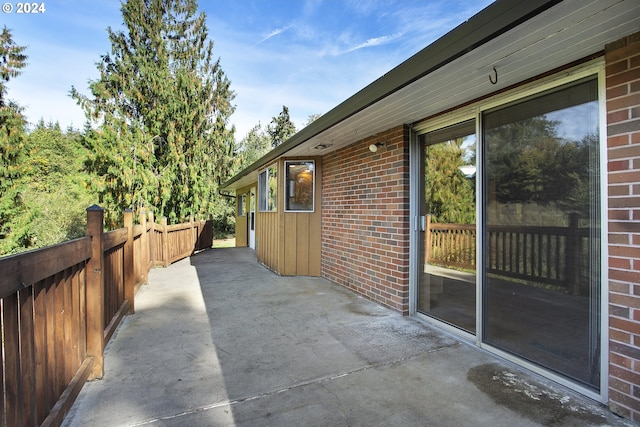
<point>219,340</point>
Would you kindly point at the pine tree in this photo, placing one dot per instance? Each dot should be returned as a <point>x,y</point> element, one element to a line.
<point>162,105</point>
<point>12,148</point>
<point>281,128</point>
<point>253,146</point>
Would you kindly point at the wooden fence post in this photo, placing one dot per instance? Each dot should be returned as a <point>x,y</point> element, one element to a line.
<point>129,270</point>
<point>194,232</point>
<point>144,247</point>
<point>573,256</point>
<point>165,242</point>
<point>427,239</point>
<point>95,291</point>
<point>152,239</point>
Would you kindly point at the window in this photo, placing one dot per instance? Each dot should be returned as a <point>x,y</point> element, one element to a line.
<point>299,186</point>
<point>242,200</point>
<point>268,189</point>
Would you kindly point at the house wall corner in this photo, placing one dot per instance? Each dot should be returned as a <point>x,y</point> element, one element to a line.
<point>365,218</point>
<point>623,173</point>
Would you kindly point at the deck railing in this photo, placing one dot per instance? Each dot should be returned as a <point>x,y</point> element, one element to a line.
<point>546,255</point>
<point>61,305</point>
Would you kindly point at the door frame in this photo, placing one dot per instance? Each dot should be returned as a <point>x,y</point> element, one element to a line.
<point>474,111</point>
<point>251,226</point>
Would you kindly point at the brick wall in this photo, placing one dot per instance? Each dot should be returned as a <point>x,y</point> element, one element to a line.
<point>623,149</point>
<point>365,219</point>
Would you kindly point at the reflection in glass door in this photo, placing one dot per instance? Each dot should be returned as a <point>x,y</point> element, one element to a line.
<point>541,298</point>
<point>447,283</point>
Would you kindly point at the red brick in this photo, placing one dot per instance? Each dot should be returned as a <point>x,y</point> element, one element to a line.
<point>620,336</point>
<point>617,67</point>
<point>622,361</point>
<point>625,325</point>
<point>366,210</point>
<point>617,141</point>
<point>627,101</point>
<point>625,400</point>
<point>619,239</point>
<point>617,91</point>
<point>624,374</point>
<point>620,287</point>
<point>624,77</point>
<point>624,276</point>
<point>620,263</point>
<point>627,152</point>
<point>618,165</point>
<point>626,301</point>
<point>621,386</point>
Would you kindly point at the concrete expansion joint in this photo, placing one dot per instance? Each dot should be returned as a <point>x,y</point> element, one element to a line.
<point>313,381</point>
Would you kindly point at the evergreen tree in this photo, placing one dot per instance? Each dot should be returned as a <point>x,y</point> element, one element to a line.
<point>450,195</point>
<point>56,191</point>
<point>162,105</point>
<point>12,149</point>
<point>253,146</point>
<point>281,128</point>
<point>312,118</point>
<point>12,61</point>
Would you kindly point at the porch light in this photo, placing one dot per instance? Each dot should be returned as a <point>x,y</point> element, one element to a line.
<point>374,147</point>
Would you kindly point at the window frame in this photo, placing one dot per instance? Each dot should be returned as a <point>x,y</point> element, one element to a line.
<point>241,207</point>
<point>287,185</point>
<point>594,68</point>
<point>268,198</point>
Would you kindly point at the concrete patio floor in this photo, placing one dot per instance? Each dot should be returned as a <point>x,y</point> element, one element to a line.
<point>219,340</point>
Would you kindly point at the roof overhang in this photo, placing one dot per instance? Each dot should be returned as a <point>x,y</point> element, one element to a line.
<point>522,39</point>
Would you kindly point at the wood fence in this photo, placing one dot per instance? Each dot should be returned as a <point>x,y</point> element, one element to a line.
<point>547,255</point>
<point>61,305</point>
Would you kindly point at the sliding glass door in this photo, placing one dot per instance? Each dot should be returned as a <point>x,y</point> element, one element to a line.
<point>447,283</point>
<point>538,236</point>
<point>542,234</point>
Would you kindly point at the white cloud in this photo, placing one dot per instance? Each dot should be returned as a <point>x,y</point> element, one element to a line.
<point>376,41</point>
<point>274,33</point>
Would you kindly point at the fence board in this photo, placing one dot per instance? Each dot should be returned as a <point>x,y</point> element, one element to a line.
<point>27,356</point>
<point>114,238</point>
<point>47,323</point>
<point>27,268</point>
<point>11,341</point>
<point>548,255</point>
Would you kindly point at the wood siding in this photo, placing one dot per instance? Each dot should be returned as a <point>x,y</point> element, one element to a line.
<point>242,222</point>
<point>289,242</point>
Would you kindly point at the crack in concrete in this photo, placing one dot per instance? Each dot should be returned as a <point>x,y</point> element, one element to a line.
<point>313,381</point>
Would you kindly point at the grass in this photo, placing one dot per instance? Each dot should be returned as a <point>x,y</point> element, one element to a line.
<point>224,242</point>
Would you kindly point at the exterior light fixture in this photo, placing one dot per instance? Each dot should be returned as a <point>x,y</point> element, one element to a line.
<point>374,147</point>
<point>323,146</point>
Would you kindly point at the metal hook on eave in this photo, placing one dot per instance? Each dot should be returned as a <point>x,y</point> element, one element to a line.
<point>494,80</point>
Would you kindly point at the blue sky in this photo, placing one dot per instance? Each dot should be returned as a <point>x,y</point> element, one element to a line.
<point>309,55</point>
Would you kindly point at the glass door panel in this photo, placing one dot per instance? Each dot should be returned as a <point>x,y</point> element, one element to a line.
<point>541,299</point>
<point>447,283</point>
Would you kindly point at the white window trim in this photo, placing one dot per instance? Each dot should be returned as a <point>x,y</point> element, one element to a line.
<point>263,197</point>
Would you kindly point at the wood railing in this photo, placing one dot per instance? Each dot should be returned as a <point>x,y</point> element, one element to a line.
<point>546,255</point>
<point>61,305</point>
